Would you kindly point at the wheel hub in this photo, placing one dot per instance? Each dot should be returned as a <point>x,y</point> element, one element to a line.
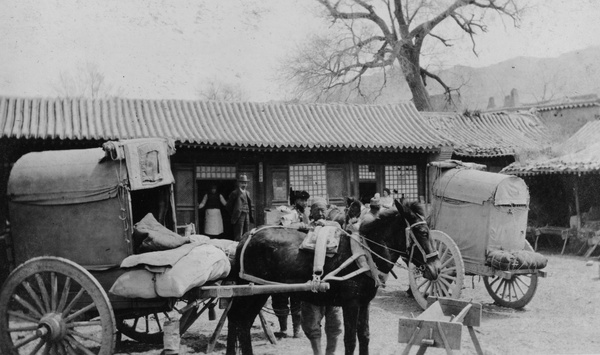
<point>52,327</point>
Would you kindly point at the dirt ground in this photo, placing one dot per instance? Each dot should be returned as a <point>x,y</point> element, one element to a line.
<point>562,318</point>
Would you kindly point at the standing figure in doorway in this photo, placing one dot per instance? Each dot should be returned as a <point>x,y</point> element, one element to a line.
<point>386,200</point>
<point>213,221</point>
<point>239,207</point>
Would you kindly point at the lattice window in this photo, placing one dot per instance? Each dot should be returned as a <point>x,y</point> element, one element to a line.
<point>404,179</point>
<point>309,177</point>
<point>366,172</point>
<point>215,172</point>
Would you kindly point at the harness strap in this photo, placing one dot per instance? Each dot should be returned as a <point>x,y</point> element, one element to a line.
<point>243,274</point>
<point>320,252</point>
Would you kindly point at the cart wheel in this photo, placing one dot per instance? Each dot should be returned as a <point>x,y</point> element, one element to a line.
<point>52,305</point>
<point>449,282</point>
<point>515,292</point>
<point>148,328</point>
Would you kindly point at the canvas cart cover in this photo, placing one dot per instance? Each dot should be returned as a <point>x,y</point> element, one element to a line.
<point>70,203</point>
<point>480,211</point>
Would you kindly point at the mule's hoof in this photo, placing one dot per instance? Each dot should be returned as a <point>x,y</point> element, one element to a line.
<point>280,335</point>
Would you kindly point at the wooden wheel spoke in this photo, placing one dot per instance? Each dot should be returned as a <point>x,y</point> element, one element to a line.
<point>445,263</point>
<point>494,280</point>
<point>84,336</point>
<point>447,270</point>
<point>500,282</point>
<point>80,312</point>
<point>516,285</point>
<point>73,301</point>
<point>47,349</point>
<point>78,345</point>
<point>422,283</point>
<point>447,277</point>
<point>520,280</point>
<point>84,324</point>
<point>53,291</point>
<point>504,283</point>
<point>23,316</point>
<point>23,328</point>
<point>442,252</point>
<point>27,340</point>
<point>65,295</point>
<point>43,290</point>
<point>27,305</point>
<point>428,287</point>
<point>37,347</point>
<point>33,296</point>
<point>69,348</point>
<point>446,283</point>
<point>515,293</point>
<point>61,348</point>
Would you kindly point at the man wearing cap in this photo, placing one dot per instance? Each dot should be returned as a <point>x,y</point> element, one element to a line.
<point>312,314</point>
<point>299,213</point>
<point>239,207</point>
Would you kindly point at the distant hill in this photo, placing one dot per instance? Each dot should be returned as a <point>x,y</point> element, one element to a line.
<point>536,79</point>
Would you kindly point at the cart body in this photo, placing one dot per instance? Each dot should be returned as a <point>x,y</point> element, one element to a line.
<point>480,211</point>
<point>82,204</point>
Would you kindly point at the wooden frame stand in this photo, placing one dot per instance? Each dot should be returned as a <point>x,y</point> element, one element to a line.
<point>440,326</point>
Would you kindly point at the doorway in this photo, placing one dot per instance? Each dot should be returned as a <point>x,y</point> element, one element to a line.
<point>224,188</point>
<point>366,190</point>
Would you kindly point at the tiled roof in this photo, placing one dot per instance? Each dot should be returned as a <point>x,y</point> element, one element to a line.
<point>567,105</point>
<point>490,134</point>
<point>580,154</point>
<point>230,124</point>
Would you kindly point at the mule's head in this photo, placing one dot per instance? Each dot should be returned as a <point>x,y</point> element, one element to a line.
<point>419,248</point>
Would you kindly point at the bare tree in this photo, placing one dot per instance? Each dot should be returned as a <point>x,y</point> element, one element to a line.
<point>217,90</point>
<point>379,34</point>
<point>87,81</point>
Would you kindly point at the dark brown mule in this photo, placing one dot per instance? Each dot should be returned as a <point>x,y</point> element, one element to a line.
<point>273,254</point>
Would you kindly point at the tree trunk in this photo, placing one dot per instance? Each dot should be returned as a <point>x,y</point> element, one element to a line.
<point>409,62</point>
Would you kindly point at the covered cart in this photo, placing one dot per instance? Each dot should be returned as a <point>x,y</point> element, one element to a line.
<point>72,217</point>
<point>480,219</point>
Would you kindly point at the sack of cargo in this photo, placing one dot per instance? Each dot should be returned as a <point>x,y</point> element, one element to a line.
<point>515,260</point>
<point>202,264</point>
<point>137,283</point>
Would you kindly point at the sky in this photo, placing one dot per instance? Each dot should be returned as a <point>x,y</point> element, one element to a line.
<point>171,49</point>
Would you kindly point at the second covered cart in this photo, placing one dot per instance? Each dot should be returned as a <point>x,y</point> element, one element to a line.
<point>479,221</point>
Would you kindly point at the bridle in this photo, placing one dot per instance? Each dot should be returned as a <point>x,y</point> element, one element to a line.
<point>411,241</point>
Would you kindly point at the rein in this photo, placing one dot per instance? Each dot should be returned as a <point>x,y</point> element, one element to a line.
<point>411,241</point>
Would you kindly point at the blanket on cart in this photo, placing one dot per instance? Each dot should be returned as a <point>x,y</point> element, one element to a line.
<point>171,273</point>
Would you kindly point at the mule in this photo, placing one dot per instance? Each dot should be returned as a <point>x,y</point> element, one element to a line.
<point>273,254</point>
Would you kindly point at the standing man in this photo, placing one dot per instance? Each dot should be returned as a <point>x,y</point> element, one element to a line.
<point>312,315</point>
<point>286,303</point>
<point>239,207</point>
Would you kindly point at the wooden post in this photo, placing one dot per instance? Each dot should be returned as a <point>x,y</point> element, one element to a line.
<point>213,339</point>
<point>576,191</point>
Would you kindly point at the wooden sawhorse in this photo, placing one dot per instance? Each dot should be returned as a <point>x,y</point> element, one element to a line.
<point>440,326</point>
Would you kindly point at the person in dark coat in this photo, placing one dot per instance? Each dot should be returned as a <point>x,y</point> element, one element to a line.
<point>239,206</point>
